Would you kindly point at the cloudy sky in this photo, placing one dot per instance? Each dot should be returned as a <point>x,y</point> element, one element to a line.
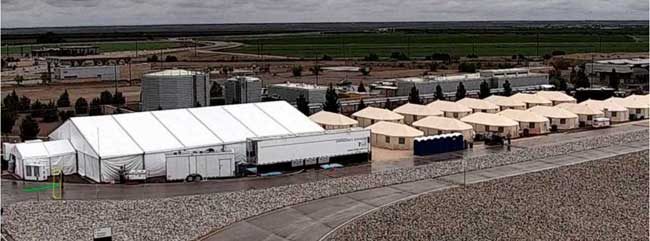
<point>36,13</point>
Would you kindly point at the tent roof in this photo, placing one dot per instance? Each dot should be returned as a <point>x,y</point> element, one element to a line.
<point>394,129</point>
<point>632,101</point>
<point>332,119</point>
<point>478,104</point>
<point>448,106</point>
<point>44,149</point>
<point>580,109</point>
<point>158,131</point>
<point>555,95</point>
<point>602,105</point>
<point>552,112</point>
<point>504,101</point>
<point>173,72</point>
<point>59,147</point>
<point>377,114</point>
<point>442,123</point>
<point>523,115</point>
<point>489,119</point>
<point>530,98</point>
<point>415,109</point>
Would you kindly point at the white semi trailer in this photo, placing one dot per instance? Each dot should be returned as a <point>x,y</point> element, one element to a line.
<point>309,148</point>
<point>198,166</point>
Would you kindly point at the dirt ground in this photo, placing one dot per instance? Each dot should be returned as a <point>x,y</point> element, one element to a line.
<point>602,56</point>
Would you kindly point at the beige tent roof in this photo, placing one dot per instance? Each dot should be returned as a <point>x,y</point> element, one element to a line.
<point>504,101</point>
<point>530,98</point>
<point>378,114</point>
<point>394,129</point>
<point>448,106</point>
<point>552,112</point>
<point>332,119</point>
<point>636,103</point>
<point>523,115</point>
<point>580,109</point>
<point>645,98</point>
<point>415,109</point>
<point>489,119</point>
<point>478,104</point>
<point>442,123</point>
<point>602,105</point>
<point>555,96</point>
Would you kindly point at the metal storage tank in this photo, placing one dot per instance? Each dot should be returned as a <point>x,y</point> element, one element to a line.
<point>243,89</point>
<point>174,88</point>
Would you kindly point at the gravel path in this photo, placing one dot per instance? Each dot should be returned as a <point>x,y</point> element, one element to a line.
<point>190,217</point>
<point>598,200</point>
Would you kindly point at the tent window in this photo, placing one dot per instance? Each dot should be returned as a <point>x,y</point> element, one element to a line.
<point>562,121</point>
<point>455,115</point>
<point>589,117</point>
<point>500,129</point>
<point>614,114</point>
<point>531,125</point>
<point>388,139</point>
<point>638,111</point>
<point>402,140</point>
<point>28,171</point>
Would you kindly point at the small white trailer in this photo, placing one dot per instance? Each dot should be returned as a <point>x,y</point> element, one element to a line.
<point>198,166</point>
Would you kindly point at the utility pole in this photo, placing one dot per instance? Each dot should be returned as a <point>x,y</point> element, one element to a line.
<point>537,49</point>
<point>136,48</point>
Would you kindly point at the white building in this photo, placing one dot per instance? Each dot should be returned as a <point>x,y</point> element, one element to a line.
<point>175,88</point>
<point>98,72</point>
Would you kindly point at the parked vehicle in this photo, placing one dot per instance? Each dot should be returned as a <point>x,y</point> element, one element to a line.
<point>601,122</point>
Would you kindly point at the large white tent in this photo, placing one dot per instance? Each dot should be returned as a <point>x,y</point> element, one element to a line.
<point>141,140</point>
<point>31,158</point>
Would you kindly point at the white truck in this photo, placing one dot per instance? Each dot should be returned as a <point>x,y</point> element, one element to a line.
<point>199,166</point>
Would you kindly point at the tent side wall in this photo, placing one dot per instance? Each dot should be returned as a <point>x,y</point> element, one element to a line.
<point>564,123</point>
<point>531,105</point>
<point>456,115</point>
<point>536,129</point>
<point>587,120</point>
<point>379,140</point>
<point>557,102</point>
<point>503,107</point>
<point>335,127</point>
<point>639,112</point>
<point>365,122</point>
<point>110,167</point>
<point>483,129</point>
<point>467,134</point>
<point>617,116</point>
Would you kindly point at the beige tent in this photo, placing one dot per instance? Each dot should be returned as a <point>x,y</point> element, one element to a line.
<point>586,114</point>
<point>530,123</point>
<point>556,97</point>
<point>638,105</point>
<point>394,136</point>
<point>436,125</point>
<point>371,115</point>
<point>559,118</point>
<point>488,122</point>
<point>414,112</point>
<point>531,100</point>
<point>330,120</point>
<point>451,109</point>
<point>613,111</point>
<point>478,105</point>
<point>506,103</point>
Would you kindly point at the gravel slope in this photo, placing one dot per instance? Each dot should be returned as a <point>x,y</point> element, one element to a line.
<point>599,200</point>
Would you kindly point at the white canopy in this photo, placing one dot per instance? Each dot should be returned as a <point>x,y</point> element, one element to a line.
<point>531,98</point>
<point>394,129</point>
<point>555,96</point>
<point>415,109</point>
<point>332,119</point>
<point>442,123</point>
<point>489,119</point>
<point>448,106</point>
<point>604,105</point>
<point>59,153</point>
<point>478,104</point>
<point>523,116</point>
<point>580,109</point>
<point>553,112</point>
<point>505,101</point>
<point>378,114</point>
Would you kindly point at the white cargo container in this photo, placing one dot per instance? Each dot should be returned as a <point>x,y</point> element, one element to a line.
<point>311,147</point>
<point>203,165</point>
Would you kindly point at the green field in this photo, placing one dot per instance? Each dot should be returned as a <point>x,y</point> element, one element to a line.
<point>103,47</point>
<point>420,45</point>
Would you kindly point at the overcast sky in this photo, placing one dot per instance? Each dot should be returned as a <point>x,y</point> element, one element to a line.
<point>38,13</point>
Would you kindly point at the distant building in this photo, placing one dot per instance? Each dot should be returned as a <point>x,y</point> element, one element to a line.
<point>66,51</point>
<point>291,91</point>
<point>243,89</point>
<point>175,88</point>
<point>633,73</point>
<point>99,72</point>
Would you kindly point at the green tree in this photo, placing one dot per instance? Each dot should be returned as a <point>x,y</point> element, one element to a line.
<point>24,104</point>
<point>414,96</point>
<point>64,99</point>
<point>467,67</point>
<point>95,107</point>
<point>316,70</point>
<point>371,57</point>
<point>361,87</point>
<point>11,101</point>
<point>296,70</point>
<point>8,121</point>
<point>105,98</point>
<point>119,99</point>
<point>614,80</point>
<point>507,90</point>
<point>29,129</point>
<point>19,79</point>
<point>303,104</point>
<point>485,90</point>
<point>81,106</point>
<point>439,95</point>
<point>460,91</point>
<point>65,115</point>
<point>331,100</point>
<point>582,81</point>
<point>38,109</point>
<point>362,105</point>
<point>365,70</point>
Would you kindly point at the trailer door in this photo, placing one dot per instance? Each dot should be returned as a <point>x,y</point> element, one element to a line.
<point>225,167</point>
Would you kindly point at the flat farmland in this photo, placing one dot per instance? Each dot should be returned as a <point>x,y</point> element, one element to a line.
<point>104,47</point>
<point>421,45</point>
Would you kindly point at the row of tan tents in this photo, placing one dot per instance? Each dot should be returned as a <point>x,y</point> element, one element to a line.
<point>520,114</point>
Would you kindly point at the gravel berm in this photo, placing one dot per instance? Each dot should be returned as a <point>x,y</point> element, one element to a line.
<point>605,199</point>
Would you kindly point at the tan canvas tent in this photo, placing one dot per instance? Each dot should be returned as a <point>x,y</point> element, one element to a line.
<point>488,122</point>
<point>586,114</point>
<point>531,100</point>
<point>637,105</point>
<point>530,123</point>
<point>371,115</point>
<point>613,111</point>
<point>330,120</point>
<point>436,125</point>
<point>394,136</point>
<point>560,119</point>
<point>478,105</point>
<point>414,112</point>
<point>556,97</point>
<point>506,103</point>
<point>451,109</point>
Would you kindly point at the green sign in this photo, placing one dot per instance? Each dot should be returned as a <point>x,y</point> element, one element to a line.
<point>41,188</point>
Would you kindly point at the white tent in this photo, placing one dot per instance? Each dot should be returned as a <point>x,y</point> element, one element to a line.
<point>331,120</point>
<point>141,140</point>
<point>47,155</point>
<point>557,97</point>
<point>479,105</point>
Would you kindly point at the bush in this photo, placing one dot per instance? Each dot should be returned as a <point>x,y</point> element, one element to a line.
<point>95,107</point>
<point>81,106</point>
<point>467,67</point>
<point>171,58</point>
<point>296,70</point>
<point>371,57</point>
<point>65,115</point>
<point>153,58</point>
<point>64,100</point>
<point>558,52</point>
<point>399,56</point>
<point>327,58</point>
<point>29,129</point>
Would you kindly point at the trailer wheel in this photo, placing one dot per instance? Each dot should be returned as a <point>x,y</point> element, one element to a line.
<point>198,178</point>
<point>189,178</point>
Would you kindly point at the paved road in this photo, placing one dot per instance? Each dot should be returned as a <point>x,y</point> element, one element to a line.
<point>316,219</point>
<point>12,189</point>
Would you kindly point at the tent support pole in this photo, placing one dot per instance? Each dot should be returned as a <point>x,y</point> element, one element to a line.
<point>99,161</point>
